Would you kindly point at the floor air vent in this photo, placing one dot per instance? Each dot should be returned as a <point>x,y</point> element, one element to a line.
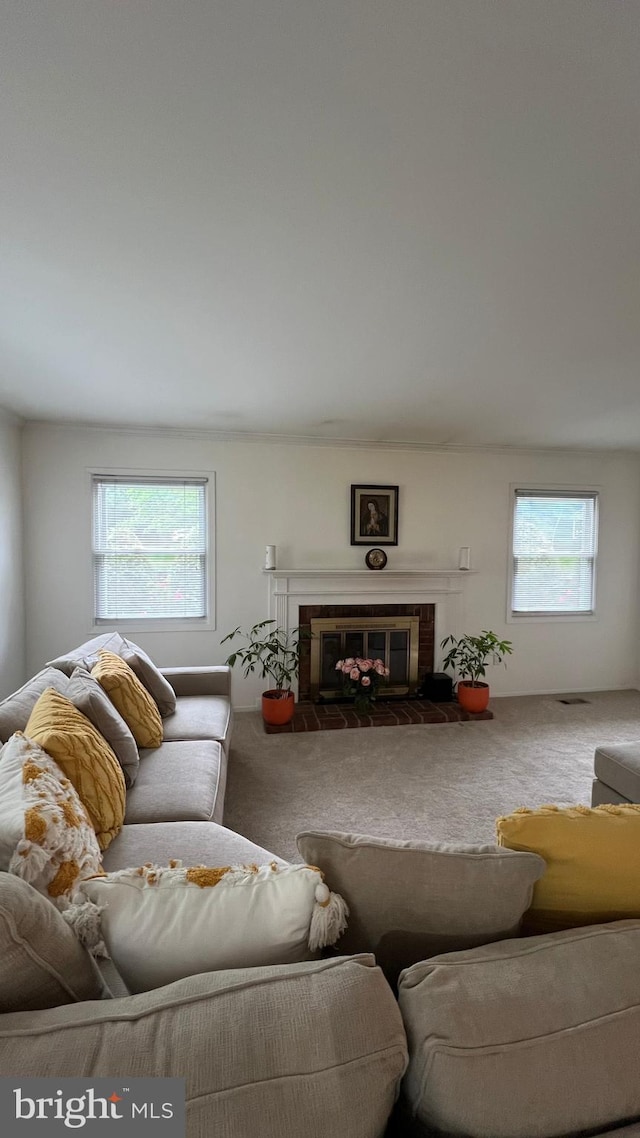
<point>576,700</point>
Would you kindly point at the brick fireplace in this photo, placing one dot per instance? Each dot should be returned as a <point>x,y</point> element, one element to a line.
<point>434,596</point>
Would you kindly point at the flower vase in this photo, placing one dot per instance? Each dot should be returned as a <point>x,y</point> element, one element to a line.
<point>363,704</point>
<point>360,679</point>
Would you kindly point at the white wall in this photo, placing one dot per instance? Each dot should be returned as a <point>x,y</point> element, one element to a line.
<point>12,645</point>
<point>297,497</point>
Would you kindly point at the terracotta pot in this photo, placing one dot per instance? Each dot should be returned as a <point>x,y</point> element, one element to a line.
<point>473,697</point>
<point>278,707</point>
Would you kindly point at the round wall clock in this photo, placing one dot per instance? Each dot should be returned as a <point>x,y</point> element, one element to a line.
<point>376,559</point>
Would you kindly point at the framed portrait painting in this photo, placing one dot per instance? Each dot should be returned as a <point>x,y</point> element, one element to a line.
<point>374,515</point>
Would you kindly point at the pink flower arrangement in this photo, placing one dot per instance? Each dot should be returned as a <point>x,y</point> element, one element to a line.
<point>361,679</point>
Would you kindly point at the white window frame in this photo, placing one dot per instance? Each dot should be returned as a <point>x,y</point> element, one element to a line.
<point>158,624</point>
<point>551,489</point>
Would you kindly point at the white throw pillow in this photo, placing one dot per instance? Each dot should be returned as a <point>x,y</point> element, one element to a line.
<point>45,834</point>
<point>161,924</point>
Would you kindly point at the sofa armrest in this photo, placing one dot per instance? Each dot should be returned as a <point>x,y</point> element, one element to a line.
<point>314,1048</point>
<point>206,680</point>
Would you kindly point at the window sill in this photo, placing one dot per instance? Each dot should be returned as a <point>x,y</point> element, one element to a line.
<point>551,618</point>
<point>150,625</point>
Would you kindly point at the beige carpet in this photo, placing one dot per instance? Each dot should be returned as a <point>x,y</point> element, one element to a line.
<point>444,782</point>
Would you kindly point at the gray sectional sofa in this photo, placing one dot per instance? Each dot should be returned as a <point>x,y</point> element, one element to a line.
<point>175,806</point>
<point>478,1043</point>
<point>257,1047</point>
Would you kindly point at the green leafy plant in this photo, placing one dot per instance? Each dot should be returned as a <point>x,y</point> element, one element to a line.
<point>270,652</point>
<point>470,655</point>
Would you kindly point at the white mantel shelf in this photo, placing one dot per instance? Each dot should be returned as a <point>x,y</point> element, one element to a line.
<point>367,574</point>
<point>415,585</point>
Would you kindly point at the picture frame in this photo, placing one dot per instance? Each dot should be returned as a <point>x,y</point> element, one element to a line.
<point>374,515</point>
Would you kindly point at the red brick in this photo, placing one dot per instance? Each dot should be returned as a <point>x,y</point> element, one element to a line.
<point>336,717</point>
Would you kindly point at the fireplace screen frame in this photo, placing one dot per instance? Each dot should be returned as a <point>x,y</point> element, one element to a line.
<point>408,624</point>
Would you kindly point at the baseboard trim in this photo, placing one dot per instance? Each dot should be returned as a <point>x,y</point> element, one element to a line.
<point>563,691</point>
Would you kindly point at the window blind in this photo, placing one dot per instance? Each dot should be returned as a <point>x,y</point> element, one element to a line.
<point>149,548</point>
<point>554,552</point>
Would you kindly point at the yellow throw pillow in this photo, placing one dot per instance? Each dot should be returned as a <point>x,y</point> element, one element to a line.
<point>593,868</point>
<point>85,758</point>
<point>138,709</point>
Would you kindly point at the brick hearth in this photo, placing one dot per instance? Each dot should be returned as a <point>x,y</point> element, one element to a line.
<point>336,716</point>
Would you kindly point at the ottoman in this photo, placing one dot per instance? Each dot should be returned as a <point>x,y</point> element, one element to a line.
<point>617,770</point>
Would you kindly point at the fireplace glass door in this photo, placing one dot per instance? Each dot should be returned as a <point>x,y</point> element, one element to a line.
<point>392,640</point>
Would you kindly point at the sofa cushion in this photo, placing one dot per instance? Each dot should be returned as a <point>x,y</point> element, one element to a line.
<point>528,1038</point>
<point>194,843</point>
<point>311,1050</point>
<point>409,899</point>
<point>618,765</point>
<point>200,679</point>
<point>199,717</point>
<point>91,699</point>
<point>593,868</point>
<point>16,708</point>
<point>603,795</point>
<point>162,923</point>
<point>630,1131</point>
<point>179,782</point>
<point>86,759</point>
<point>42,964</point>
<point>86,655</point>
<point>130,698</point>
<point>45,834</point>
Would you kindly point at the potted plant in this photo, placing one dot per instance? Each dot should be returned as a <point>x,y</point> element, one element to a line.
<point>271,652</point>
<point>469,657</point>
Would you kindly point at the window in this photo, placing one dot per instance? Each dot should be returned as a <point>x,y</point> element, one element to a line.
<point>149,548</point>
<point>554,552</point>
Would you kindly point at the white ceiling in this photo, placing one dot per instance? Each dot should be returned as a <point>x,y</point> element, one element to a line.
<point>415,221</point>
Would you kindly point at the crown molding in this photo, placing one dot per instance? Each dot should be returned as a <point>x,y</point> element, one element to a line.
<point>249,437</point>
<point>11,418</point>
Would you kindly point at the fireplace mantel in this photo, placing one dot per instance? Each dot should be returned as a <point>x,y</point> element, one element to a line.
<point>367,574</point>
<point>444,588</point>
